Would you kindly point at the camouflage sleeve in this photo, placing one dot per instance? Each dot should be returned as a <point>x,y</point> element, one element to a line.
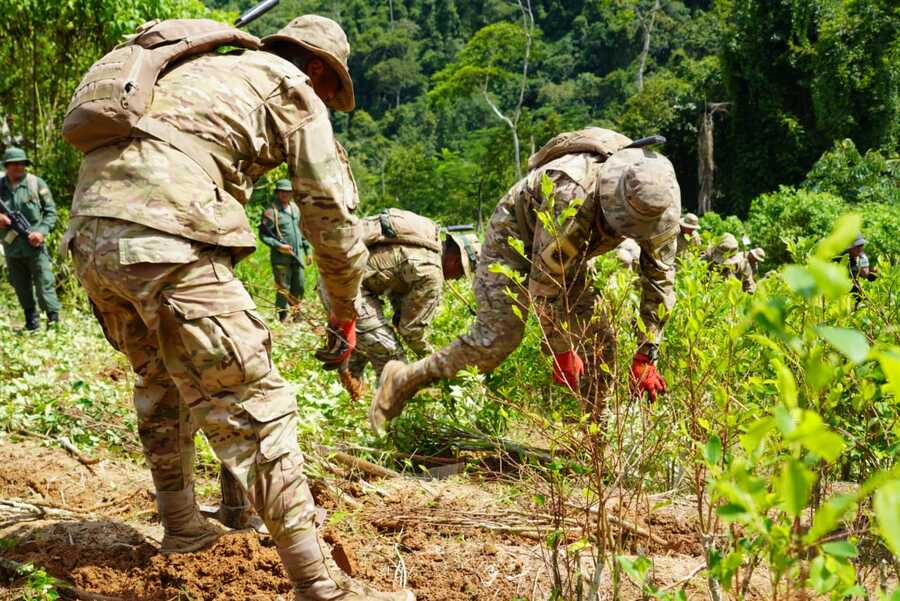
<point>557,277</point>
<point>324,191</point>
<point>48,209</point>
<point>267,229</point>
<point>657,290</point>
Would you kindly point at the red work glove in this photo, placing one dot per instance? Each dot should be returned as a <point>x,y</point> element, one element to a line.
<point>339,343</point>
<point>645,377</point>
<point>567,369</point>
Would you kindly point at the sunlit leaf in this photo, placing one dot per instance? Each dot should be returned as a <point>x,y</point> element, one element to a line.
<point>850,343</point>
<point>841,548</point>
<point>794,486</point>
<point>831,279</point>
<point>842,235</point>
<point>887,511</point>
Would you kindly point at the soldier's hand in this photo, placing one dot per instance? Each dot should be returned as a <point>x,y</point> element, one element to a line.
<point>285,248</point>
<point>4,221</point>
<point>646,378</point>
<point>35,239</point>
<point>308,260</point>
<point>339,343</point>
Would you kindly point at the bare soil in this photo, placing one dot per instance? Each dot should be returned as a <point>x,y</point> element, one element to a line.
<point>442,539</point>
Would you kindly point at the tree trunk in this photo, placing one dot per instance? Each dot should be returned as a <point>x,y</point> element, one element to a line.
<point>647,27</point>
<point>706,164</point>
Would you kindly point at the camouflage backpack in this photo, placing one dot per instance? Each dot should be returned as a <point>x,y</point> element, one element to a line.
<point>396,226</point>
<point>109,104</point>
<point>596,140</point>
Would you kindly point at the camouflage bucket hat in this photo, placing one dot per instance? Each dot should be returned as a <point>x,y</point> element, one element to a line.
<point>324,38</point>
<point>639,195</point>
<point>284,184</point>
<point>467,242</point>
<point>725,252</point>
<point>690,222</point>
<point>13,154</point>
<point>758,254</point>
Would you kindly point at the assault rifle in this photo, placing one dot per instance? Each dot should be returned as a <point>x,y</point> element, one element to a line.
<point>18,223</point>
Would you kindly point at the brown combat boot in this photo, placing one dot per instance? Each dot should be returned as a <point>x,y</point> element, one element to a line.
<point>305,565</point>
<point>399,383</point>
<point>185,529</point>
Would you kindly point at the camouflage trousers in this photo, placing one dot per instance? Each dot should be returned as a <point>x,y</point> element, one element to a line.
<point>202,357</point>
<point>498,331</point>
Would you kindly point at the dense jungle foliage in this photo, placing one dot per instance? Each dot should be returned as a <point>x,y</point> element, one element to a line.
<point>782,423</point>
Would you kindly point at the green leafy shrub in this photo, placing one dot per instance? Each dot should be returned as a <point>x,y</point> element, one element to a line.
<point>855,177</point>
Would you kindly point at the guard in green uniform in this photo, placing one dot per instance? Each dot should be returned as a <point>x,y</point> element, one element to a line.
<point>27,260</point>
<point>280,231</point>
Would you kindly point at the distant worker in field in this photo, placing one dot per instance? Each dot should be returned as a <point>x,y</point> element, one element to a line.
<point>860,269</point>
<point>279,229</point>
<point>689,236</point>
<point>28,263</point>
<point>755,256</point>
<point>726,258</point>
<point>407,267</point>
<point>626,192</point>
<point>158,225</point>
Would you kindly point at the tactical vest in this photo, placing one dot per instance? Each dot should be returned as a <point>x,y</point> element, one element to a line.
<point>396,226</point>
<point>109,104</point>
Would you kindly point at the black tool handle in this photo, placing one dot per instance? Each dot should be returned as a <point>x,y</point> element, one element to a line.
<point>648,141</point>
<point>251,14</point>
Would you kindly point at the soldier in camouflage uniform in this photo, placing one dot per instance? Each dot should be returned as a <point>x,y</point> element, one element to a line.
<point>626,193</point>
<point>155,239</point>
<point>27,260</point>
<point>689,236</point>
<point>726,258</point>
<point>279,229</point>
<point>407,266</point>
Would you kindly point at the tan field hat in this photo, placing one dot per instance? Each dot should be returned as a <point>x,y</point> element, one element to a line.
<point>324,38</point>
<point>690,222</point>
<point>758,254</point>
<point>725,252</point>
<point>470,250</point>
<point>639,194</point>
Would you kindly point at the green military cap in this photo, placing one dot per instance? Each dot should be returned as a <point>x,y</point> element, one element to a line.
<point>14,154</point>
<point>284,184</point>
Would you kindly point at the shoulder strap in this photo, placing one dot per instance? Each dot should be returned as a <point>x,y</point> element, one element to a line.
<point>32,183</point>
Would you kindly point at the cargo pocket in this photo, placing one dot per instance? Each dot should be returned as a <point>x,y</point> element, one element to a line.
<point>224,340</point>
<point>275,423</point>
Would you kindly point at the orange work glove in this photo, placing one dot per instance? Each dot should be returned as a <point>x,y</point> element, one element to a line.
<point>339,343</point>
<point>567,369</point>
<point>645,377</point>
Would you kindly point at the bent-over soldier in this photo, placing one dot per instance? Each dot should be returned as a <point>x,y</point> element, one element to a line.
<point>155,235</point>
<point>626,193</point>
<point>407,267</point>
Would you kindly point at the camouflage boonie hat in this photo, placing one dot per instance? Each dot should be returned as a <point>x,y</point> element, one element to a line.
<point>468,242</point>
<point>690,222</point>
<point>859,241</point>
<point>284,184</point>
<point>14,154</point>
<point>758,254</point>
<point>639,195</point>
<point>726,251</point>
<point>324,38</point>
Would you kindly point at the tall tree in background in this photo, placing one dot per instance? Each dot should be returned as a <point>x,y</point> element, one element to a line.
<point>485,67</point>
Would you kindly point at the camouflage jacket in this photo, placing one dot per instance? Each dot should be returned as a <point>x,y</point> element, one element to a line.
<point>688,241</point>
<point>252,111</point>
<point>412,278</point>
<point>574,178</point>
